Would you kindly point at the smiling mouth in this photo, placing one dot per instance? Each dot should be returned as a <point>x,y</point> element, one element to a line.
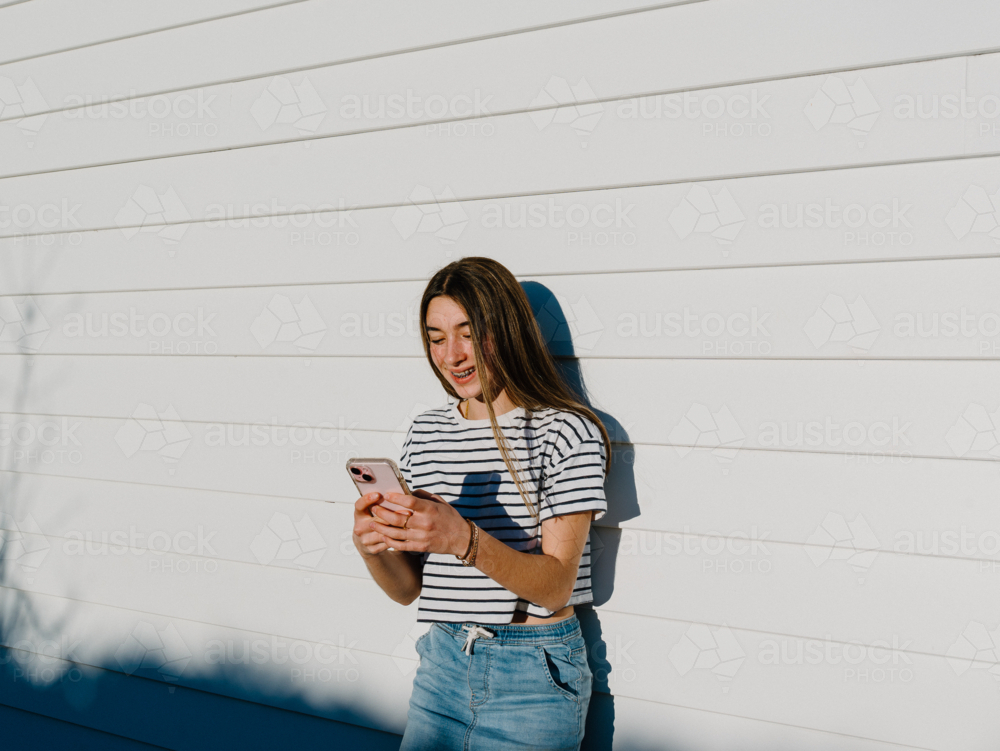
<point>464,375</point>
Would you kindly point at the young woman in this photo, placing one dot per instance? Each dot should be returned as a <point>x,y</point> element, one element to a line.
<point>496,541</point>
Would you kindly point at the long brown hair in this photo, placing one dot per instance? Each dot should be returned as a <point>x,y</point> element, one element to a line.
<point>515,359</point>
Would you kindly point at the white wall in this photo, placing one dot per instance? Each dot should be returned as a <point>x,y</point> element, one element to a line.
<point>860,454</point>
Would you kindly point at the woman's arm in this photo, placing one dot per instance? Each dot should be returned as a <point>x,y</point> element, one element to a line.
<point>396,572</point>
<point>546,580</point>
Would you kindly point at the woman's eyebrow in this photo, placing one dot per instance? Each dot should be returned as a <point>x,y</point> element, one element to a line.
<point>458,326</point>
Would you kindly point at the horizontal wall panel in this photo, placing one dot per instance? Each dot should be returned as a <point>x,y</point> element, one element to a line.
<point>63,24</point>
<point>891,213</point>
<point>845,600</point>
<point>302,604</point>
<point>205,527</point>
<point>656,660</point>
<point>840,311</point>
<point>635,655</point>
<point>637,723</point>
<point>700,44</point>
<point>880,409</point>
<point>918,506</point>
<point>469,83</point>
<point>413,165</point>
<point>789,589</point>
<point>184,718</point>
<point>329,679</point>
<point>22,727</point>
<point>301,35</point>
<point>629,638</point>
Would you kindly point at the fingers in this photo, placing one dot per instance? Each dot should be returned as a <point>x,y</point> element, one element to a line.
<point>393,534</point>
<point>372,543</point>
<point>389,517</point>
<point>365,502</point>
<point>406,501</point>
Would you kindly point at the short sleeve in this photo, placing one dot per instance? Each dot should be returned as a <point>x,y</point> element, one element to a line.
<point>404,459</point>
<point>573,478</point>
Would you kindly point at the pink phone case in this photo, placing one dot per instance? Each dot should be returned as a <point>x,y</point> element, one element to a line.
<point>385,478</point>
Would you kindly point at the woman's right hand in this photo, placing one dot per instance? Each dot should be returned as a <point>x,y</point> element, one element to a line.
<point>366,539</point>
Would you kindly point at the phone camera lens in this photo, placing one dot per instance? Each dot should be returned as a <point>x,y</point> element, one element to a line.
<point>367,478</point>
<point>355,470</point>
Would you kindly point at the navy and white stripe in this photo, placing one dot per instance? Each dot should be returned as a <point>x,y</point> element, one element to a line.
<point>561,457</point>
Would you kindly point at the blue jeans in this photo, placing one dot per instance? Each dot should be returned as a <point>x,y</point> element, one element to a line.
<point>527,687</point>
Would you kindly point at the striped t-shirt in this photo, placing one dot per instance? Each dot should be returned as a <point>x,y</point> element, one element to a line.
<point>561,457</point>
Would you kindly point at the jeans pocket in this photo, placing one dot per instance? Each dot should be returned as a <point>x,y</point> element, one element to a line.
<point>563,669</point>
<point>421,639</point>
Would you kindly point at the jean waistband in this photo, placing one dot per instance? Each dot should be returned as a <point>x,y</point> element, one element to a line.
<point>519,633</point>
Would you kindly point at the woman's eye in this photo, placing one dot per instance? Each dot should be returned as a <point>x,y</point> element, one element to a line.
<point>437,341</point>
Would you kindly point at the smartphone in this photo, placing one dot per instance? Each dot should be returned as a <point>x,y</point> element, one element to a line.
<point>378,476</point>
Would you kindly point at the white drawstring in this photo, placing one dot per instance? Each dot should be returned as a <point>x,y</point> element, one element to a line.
<point>474,633</point>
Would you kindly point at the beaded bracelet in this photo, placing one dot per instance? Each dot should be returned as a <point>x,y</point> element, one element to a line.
<point>469,559</point>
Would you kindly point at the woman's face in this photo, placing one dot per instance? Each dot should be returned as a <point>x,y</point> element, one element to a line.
<point>450,340</point>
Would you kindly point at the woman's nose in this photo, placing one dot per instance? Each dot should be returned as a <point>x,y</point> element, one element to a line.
<point>455,352</point>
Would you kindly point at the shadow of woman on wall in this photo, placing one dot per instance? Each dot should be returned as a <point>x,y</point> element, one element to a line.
<point>562,338</point>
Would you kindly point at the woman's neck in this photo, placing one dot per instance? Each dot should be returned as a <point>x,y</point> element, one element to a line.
<point>476,409</point>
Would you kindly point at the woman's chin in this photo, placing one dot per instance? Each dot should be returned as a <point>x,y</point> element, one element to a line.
<point>468,390</point>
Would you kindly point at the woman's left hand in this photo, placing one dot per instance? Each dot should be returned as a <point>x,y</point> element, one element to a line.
<point>433,526</point>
